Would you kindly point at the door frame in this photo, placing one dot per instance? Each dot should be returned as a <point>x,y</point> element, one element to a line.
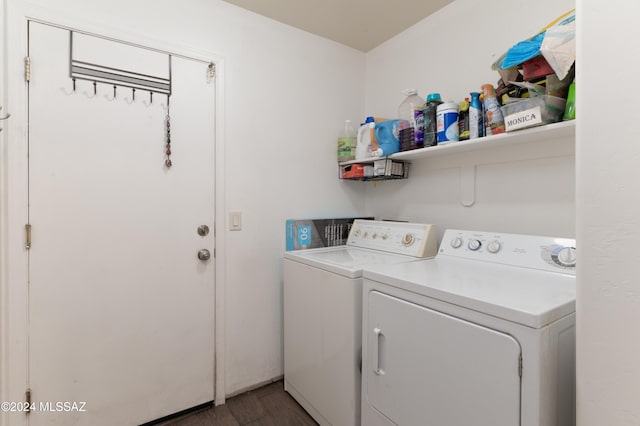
<point>14,194</point>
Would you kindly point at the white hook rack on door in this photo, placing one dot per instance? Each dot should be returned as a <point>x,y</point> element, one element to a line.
<point>4,118</point>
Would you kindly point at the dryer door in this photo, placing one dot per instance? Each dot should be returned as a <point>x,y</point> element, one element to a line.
<point>423,367</point>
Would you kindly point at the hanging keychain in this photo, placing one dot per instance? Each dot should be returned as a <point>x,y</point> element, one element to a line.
<point>168,162</point>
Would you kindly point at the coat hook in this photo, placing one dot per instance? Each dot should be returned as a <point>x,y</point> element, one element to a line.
<point>95,91</point>
<point>166,107</point>
<point>74,88</point>
<point>6,116</point>
<point>133,97</point>
<point>148,104</point>
<point>114,94</point>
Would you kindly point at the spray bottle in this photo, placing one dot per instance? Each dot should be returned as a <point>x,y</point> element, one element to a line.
<point>493,119</point>
<point>347,143</point>
<point>476,122</point>
<point>463,120</point>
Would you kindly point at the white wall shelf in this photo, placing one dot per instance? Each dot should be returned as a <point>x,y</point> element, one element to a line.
<point>536,138</point>
<point>563,129</point>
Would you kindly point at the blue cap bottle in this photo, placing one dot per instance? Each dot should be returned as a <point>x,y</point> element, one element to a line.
<point>476,119</point>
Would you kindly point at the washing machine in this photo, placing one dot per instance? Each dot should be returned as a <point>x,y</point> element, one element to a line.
<point>323,313</point>
<point>483,334</point>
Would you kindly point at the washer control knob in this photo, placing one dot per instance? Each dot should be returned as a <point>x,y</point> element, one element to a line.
<point>564,256</point>
<point>474,245</point>
<point>494,247</point>
<point>456,242</point>
<point>408,239</point>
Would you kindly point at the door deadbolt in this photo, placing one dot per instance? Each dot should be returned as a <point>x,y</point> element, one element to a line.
<point>204,254</point>
<point>203,230</point>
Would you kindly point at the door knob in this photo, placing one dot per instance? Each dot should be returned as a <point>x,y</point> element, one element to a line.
<point>204,254</point>
<point>203,230</point>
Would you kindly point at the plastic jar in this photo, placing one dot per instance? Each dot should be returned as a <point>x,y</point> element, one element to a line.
<point>447,122</point>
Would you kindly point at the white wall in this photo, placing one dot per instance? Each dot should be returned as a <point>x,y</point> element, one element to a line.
<point>287,94</point>
<point>517,189</point>
<point>277,94</point>
<point>608,221</point>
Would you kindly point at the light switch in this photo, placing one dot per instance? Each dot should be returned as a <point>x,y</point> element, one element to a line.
<point>235,221</point>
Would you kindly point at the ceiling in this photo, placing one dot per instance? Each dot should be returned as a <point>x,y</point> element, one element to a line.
<point>361,24</point>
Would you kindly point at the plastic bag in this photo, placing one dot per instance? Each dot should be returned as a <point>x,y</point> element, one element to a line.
<point>532,47</point>
<point>534,89</point>
<point>559,46</point>
<point>522,51</point>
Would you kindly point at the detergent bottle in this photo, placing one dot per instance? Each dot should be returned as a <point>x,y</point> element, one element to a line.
<point>386,134</point>
<point>411,121</point>
<point>365,140</point>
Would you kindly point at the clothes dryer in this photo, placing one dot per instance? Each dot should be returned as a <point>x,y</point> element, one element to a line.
<point>483,334</point>
<point>323,313</point>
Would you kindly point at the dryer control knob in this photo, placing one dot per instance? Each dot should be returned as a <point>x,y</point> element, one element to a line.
<point>474,245</point>
<point>456,242</point>
<point>494,247</point>
<point>564,256</point>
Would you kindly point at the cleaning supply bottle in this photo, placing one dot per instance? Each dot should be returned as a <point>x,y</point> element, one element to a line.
<point>347,143</point>
<point>386,137</point>
<point>570,110</point>
<point>447,122</point>
<point>476,121</point>
<point>411,121</point>
<point>463,120</point>
<point>493,119</point>
<point>365,139</point>
<point>430,110</point>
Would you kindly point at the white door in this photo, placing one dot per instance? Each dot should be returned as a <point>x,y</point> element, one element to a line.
<point>424,368</point>
<point>121,308</point>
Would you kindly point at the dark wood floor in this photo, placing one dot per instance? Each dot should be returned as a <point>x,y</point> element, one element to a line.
<point>266,406</point>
